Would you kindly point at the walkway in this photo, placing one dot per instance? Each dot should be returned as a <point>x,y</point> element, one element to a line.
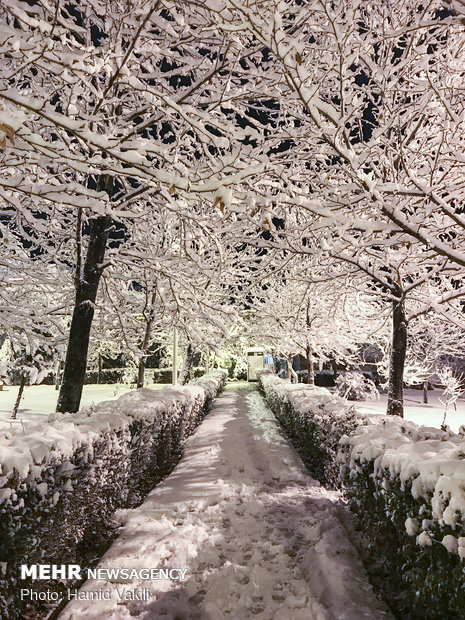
<point>259,538</point>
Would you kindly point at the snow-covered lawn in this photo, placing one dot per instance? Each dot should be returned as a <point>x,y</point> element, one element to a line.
<point>40,400</point>
<point>429,415</point>
<point>259,538</point>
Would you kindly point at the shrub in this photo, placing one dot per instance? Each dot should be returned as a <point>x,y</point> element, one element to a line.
<point>354,385</point>
<point>314,419</point>
<point>324,378</point>
<point>404,483</point>
<point>61,483</point>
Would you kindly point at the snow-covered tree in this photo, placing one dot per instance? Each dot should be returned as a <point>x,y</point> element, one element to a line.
<point>112,115</point>
<point>6,359</point>
<point>453,386</point>
<point>297,313</point>
<point>27,369</point>
<point>368,138</point>
<point>368,100</point>
<point>323,130</point>
<point>430,339</point>
<point>353,385</point>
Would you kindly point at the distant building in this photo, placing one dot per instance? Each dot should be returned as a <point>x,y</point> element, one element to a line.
<point>257,359</point>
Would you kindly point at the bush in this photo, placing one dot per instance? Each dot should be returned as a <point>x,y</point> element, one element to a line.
<point>121,375</point>
<point>354,385</point>
<point>404,483</point>
<point>314,419</point>
<point>61,483</point>
<point>324,378</point>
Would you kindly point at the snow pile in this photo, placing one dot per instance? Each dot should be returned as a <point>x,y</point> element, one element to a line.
<point>106,456</point>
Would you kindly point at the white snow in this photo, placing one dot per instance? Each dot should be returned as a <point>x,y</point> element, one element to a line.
<point>40,400</point>
<point>450,543</point>
<point>431,459</point>
<point>430,414</point>
<point>259,538</point>
<point>411,526</point>
<point>24,452</point>
<point>424,540</point>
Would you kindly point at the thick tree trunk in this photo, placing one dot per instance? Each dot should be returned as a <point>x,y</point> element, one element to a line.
<point>310,371</point>
<point>397,362</point>
<point>425,392</point>
<point>99,371</point>
<point>86,292</point>
<point>184,375</point>
<point>20,395</point>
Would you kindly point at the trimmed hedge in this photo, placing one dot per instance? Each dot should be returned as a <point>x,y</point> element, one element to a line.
<point>118,375</point>
<point>314,419</point>
<point>404,483</point>
<point>420,580</point>
<point>61,483</point>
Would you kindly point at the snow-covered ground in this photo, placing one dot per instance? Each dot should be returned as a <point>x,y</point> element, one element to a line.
<point>40,400</point>
<point>259,538</point>
<point>429,415</point>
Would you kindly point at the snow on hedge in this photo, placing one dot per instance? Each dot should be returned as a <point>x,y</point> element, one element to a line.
<point>431,460</point>
<point>314,419</point>
<point>405,483</point>
<point>62,480</point>
<point>57,439</point>
<point>304,398</point>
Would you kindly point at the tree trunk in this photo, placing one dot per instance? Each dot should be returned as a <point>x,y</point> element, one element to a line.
<point>334,367</point>
<point>86,292</point>
<point>184,374</point>
<point>99,371</point>
<point>145,346</point>
<point>141,372</point>
<point>310,370</point>
<point>207,361</point>
<point>174,373</point>
<point>425,392</point>
<point>291,373</point>
<point>20,395</point>
<point>57,375</point>
<point>395,404</point>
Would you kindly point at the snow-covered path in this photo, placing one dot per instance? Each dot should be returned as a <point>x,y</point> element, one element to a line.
<point>259,538</point>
